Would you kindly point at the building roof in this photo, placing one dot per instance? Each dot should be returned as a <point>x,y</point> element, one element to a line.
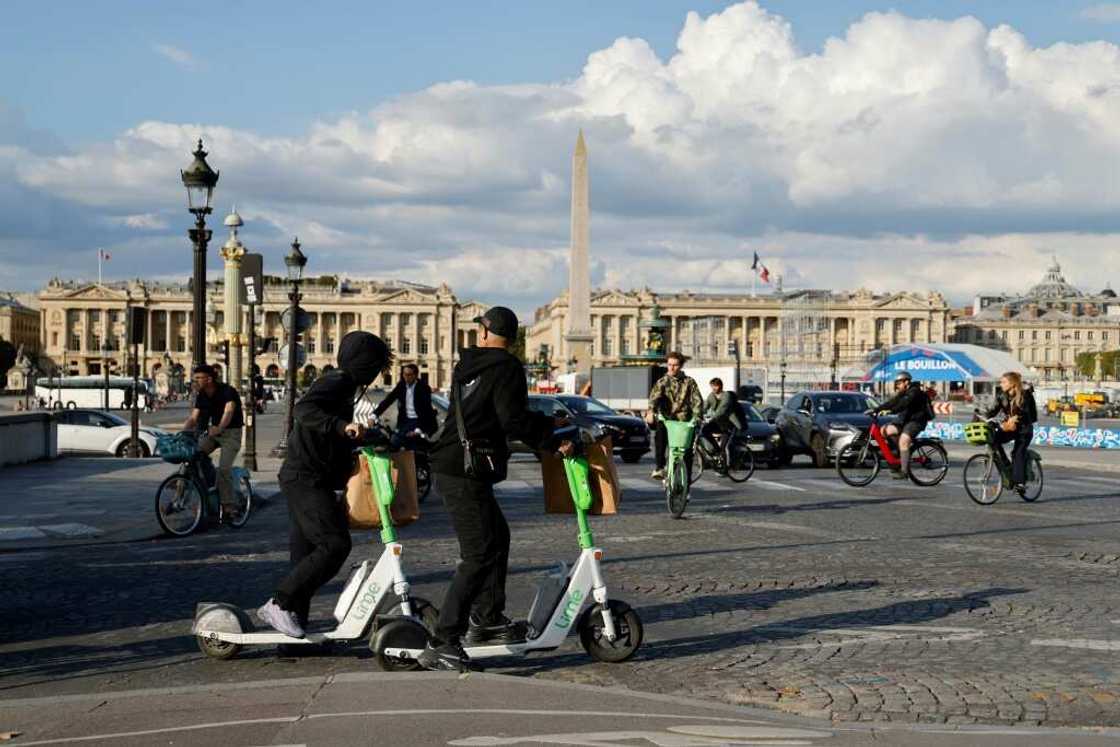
<point>1054,285</point>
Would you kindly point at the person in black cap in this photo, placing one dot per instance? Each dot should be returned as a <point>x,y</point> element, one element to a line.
<point>318,464</point>
<point>488,390</point>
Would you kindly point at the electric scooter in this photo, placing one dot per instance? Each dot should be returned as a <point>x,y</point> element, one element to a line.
<point>375,597</point>
<point>609,630</point>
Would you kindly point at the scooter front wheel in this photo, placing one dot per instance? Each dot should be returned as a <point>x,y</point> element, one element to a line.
<point>627,626</point>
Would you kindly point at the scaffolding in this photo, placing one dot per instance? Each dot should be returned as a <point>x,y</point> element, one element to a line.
<point>805,345</point>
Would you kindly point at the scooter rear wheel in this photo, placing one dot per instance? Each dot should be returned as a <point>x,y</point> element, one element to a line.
<point>627,625</point>
<point>216,649</point>
<point>401,632</point>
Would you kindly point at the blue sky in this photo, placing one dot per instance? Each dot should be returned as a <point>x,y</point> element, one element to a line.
<point>90,70</point>
<point>948,134</point>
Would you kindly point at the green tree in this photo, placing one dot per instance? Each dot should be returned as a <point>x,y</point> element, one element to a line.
<point>1087,363</point>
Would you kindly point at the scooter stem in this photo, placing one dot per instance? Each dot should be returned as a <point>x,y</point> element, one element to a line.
<point>381,474</point>
<point>578,472</point>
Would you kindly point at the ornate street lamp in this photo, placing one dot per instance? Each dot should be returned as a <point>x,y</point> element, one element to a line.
<point>200,180</point>
<point>295,261</point>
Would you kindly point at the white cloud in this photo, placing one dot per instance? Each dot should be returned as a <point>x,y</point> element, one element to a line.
<point>948,141</point>
<point>144,221</point>
<point>179,56</point>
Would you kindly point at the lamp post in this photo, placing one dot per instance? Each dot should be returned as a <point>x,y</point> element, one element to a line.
<point>199,179</point>
<point>782,367</point>
<point>295,262</point>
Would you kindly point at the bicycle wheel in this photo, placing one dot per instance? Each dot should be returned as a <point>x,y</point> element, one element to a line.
<point>179,505</point>
<point>982,479</point>
<point>697,464</point>
<point>676,488</point>
<point>1034,480</point>
<point>858,464</point>
<point>244,492</point>
<point>740,461</point>
<point>928,463</point>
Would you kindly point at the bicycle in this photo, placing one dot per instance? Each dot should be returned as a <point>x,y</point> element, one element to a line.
<point>860,461</point>
<point>191,493</point>
<point>733,459</point>
<point>680,433</point>
<point>980,483</point>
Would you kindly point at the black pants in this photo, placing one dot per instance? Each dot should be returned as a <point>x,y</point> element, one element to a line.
<point>319,541</point>
<point>480,579</point>
<point>661,448</point>
<point>1022,438</point>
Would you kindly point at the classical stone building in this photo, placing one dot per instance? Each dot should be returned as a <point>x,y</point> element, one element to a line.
<point>19,325</point>
<point>84,323</point>
<point>809,328</point>
<point>1046,327</point>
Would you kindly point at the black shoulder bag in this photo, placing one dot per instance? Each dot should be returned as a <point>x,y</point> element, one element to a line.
<point>481,460</point>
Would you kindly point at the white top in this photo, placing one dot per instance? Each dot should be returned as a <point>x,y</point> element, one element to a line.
<point>410,401</point>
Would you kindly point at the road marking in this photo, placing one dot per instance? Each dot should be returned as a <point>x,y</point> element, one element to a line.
<point>877,633</point>
<point>673,736</point>
<point>71,530</point>
<point>779,485</point>
<point>729,519</point>
<point>1085,643</point>
<point>1107,480</point>
<point>998,511</point>
<point>20,533</point>
<point>637,483</point>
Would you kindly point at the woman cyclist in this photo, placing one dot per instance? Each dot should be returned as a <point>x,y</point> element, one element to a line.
<point>1015,401</point>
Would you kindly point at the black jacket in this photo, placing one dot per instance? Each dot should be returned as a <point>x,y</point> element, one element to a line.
<point>495,408</point>
<point>319,451</point>
<point>421,400</point>
<point>911,404</point>
<point>1028,413</point>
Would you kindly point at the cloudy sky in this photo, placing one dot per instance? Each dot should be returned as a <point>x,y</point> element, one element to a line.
<point>947,145</point>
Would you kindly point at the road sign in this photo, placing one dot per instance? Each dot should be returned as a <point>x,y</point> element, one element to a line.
<point>943,408</point>
<point>303,317</point>
<point>301,356</point>
<point>252,279</point>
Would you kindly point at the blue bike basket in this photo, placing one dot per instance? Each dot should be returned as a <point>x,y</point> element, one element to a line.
<point>177,448</point>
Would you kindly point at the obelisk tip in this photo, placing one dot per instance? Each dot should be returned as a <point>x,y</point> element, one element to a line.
<point>581,147</point>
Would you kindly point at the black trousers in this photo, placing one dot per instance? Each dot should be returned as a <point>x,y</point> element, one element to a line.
<point>319,542</point>
<point>1022,438</point>
<point>480,579</point>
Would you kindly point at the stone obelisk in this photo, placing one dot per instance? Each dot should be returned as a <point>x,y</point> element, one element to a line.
<point>578,333</point>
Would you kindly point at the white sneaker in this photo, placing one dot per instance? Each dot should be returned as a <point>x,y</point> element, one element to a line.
<point>657,474</point>
<point>280,620</point>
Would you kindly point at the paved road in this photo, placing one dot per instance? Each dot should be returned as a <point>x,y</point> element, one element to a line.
<point>890,604</point>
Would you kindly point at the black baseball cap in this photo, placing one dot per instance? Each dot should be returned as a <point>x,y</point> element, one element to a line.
<point>499,320</point>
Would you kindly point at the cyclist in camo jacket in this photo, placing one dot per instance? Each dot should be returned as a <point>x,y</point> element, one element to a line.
<point>674,396</point>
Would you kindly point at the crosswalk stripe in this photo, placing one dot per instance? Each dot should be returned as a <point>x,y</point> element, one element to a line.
<point>20,533</point>
<point>778,485</point>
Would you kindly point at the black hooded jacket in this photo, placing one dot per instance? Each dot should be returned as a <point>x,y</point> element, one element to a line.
<point>911,404</point>
<point>495,408</point>
<point>319,451</point>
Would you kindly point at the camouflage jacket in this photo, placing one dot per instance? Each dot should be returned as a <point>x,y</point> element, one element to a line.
<point>676,398</point>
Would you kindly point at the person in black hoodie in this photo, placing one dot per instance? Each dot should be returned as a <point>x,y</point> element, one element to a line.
<point>318,463</point>
<point>488,387</point>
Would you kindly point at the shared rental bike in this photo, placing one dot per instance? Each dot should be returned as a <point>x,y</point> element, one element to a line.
<point>681,433</point>
<point>185,498</point>
<point>860,461</point>
<point>986,475</point>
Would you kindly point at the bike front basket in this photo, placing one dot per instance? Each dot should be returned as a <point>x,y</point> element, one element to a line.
<point>176,448</point>
<point>977,433</point>
<point>680,433</point>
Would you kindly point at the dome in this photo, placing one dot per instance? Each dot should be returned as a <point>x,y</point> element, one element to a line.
<point>1054,286</point>
<point>1107,292</point>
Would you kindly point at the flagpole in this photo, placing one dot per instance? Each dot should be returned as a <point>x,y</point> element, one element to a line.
<point>99,267</point>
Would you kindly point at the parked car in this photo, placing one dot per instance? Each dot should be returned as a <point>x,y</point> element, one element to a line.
<point>97,432</point>
<point>765,440</point>
<point>630,446</point>
<point>813,423</point>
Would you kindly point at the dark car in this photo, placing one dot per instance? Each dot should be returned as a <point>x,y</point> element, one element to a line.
<point>765,440</point>
<point>812,422</point>
<point>751,393</point>
<point>630,445</point>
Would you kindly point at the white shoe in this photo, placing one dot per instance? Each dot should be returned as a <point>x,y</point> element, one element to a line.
<point>657,474</point>
<point>280,620</point>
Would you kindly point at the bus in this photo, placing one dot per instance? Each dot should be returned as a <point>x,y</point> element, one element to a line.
<point>71,392</point>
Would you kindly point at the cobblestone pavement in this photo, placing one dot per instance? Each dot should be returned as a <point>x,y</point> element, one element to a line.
<point>890,603</point>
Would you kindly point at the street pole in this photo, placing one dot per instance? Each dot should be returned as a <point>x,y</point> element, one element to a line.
<point>201,237</point>
<point>295,262</point>
<point>134,443</point>
<point>249,459</point>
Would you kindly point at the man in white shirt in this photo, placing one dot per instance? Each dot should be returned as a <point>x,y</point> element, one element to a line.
<point>413,397</point>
